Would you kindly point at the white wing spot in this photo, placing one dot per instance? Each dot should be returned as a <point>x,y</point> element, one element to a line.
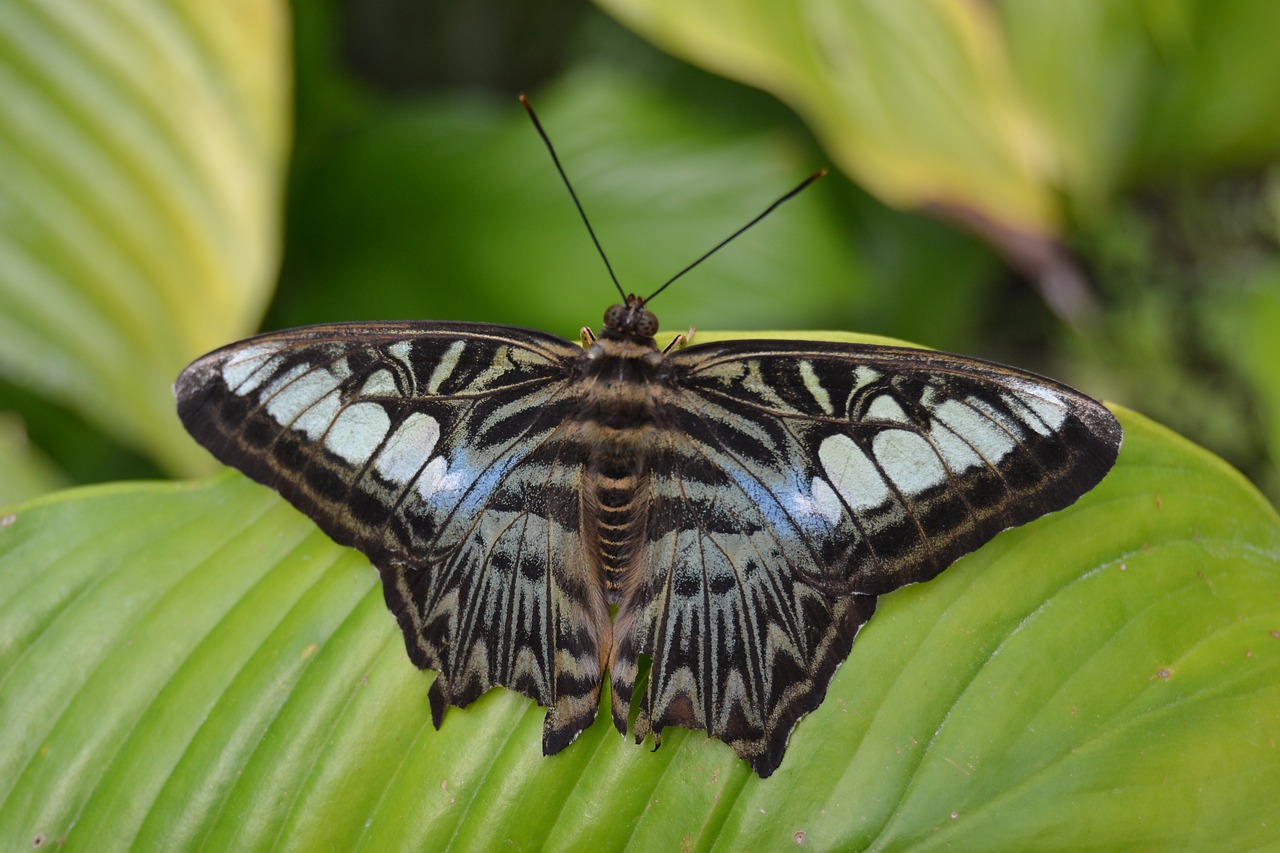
<point>435,479</point>
<point>989,440</point>
<point>814,386</point>
<point>863,376</point>
<point>409,448</point>
<point>249,367</point>
<point>958,455</point>
<point>304,399</point>
<point>885,408</point>
<point>401,350</point>
<point>340,368</point>
<point>852,474</point>
<point>908,460</point>
<point>1011,423</point>
<point>357,432</point>
<point>380,384</point>
<point>444,368</point>
<point>826,502</point>
<point>1047,406</point>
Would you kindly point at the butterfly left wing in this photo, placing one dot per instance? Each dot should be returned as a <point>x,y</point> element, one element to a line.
<point>434,449</point>
<point>792,484</point>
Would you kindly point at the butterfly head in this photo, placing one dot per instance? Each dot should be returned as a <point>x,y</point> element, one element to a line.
<point>631,319</point>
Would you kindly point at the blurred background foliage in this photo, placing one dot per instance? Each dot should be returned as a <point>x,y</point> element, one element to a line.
<point>1085,189</point>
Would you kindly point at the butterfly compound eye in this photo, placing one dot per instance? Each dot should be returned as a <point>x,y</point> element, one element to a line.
<point>646,324</point>
<point>615,317</point>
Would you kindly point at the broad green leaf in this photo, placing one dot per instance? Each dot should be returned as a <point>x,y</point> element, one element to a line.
<point>994,111</point>
<point>917,101</point>
<point>1084,70</point>
<point>143,145</point>
<point>1146,90</point>
<point>196,665</point>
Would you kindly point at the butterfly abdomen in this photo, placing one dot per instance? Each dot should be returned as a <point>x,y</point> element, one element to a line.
<point>616,511</point>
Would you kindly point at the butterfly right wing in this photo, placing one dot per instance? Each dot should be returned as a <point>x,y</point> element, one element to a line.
<point>432,448</point>
<point>790,484</point>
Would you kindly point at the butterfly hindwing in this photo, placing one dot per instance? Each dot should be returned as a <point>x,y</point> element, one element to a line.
<point>509,599</point>
<point>742,641</point>
<point>431,448</point>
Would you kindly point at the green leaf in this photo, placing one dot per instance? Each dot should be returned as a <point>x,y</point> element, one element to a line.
<point>1145,90</point>
<point>143,146</point>
<point>993,111</point>
<point>1087,100</point>
<point>196,665</point>
<point>917,101</point>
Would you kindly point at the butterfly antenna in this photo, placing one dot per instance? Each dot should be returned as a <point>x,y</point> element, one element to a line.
<point>718,246</point>
<point>528,107</point>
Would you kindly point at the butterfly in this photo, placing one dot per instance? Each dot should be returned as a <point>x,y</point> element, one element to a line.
<point>543,514</point>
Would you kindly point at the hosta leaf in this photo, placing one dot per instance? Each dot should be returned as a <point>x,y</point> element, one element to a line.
<point>917,101</point>
<point>143,146</point>
<point>196,665</point>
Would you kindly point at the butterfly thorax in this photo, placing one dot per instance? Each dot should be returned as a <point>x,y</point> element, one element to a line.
<point>625,384</point>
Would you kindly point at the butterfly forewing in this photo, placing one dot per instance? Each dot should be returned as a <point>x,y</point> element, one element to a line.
<point>738,504</point>
<point>897,461</point>
<point>354,422</point>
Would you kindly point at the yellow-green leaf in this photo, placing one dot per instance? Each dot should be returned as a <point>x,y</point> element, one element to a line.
<point>917,101</point>
<point>143,144</point>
